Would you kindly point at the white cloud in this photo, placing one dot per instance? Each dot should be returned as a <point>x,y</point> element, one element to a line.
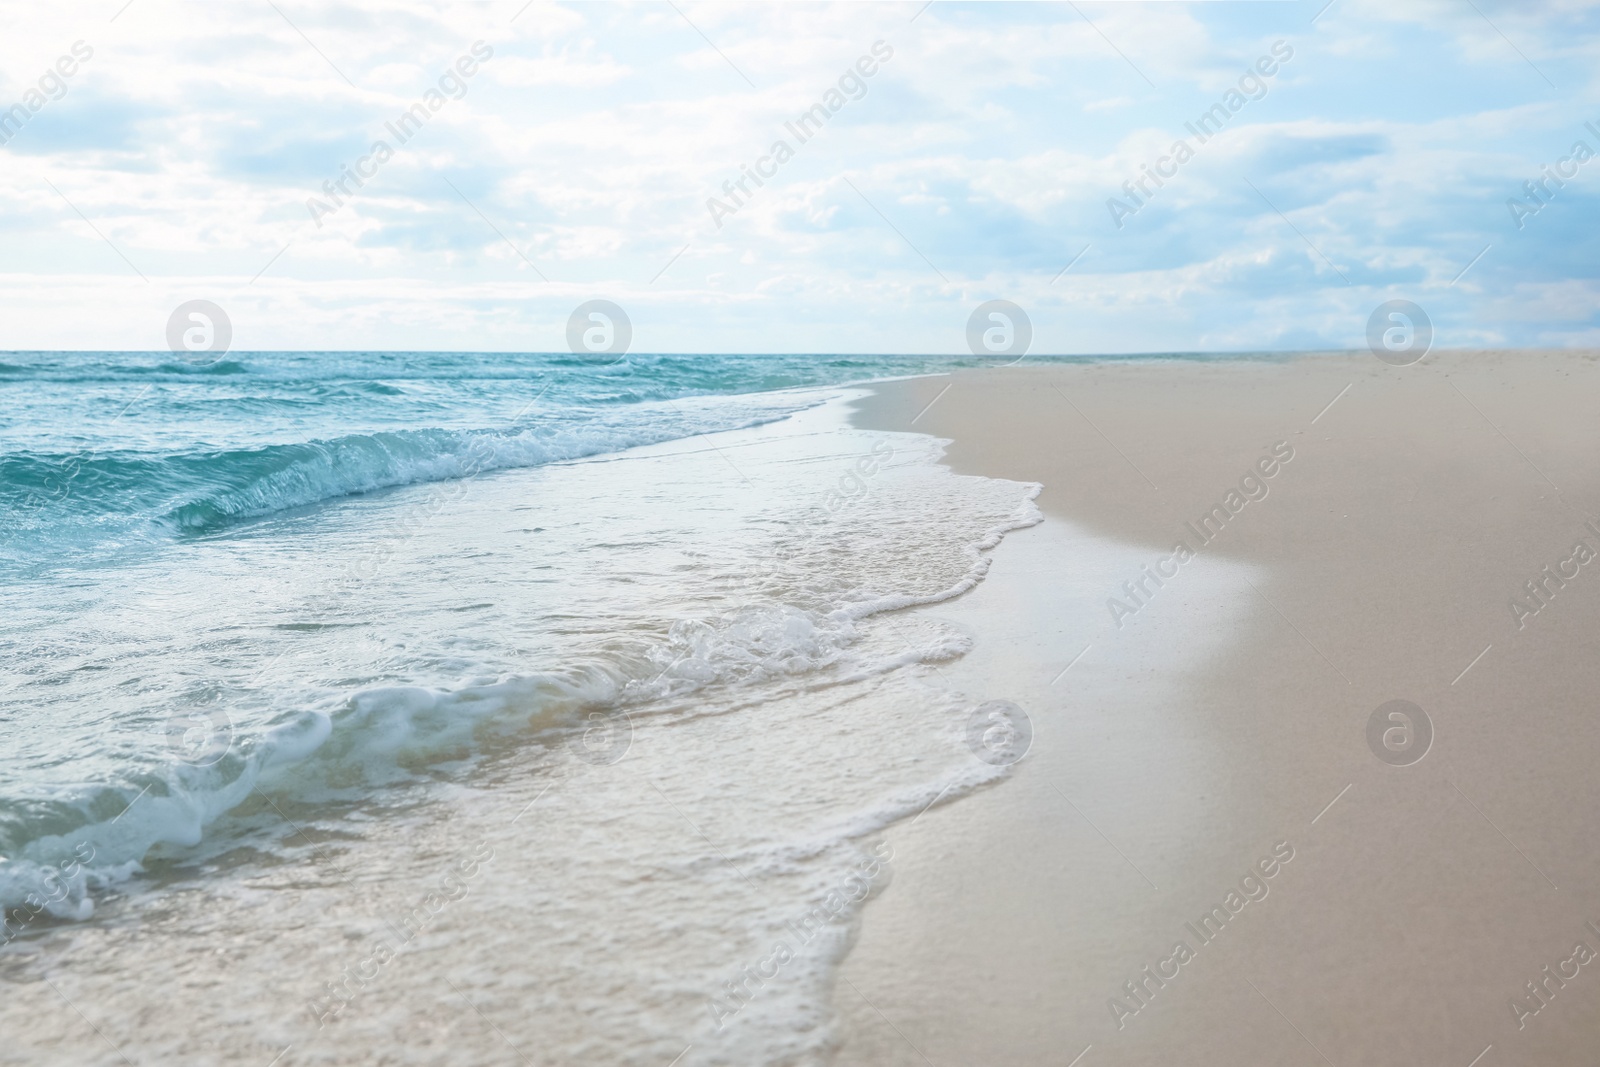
<point>591,140</point>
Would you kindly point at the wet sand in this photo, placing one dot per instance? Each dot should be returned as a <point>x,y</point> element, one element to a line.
<point>1201,747</point>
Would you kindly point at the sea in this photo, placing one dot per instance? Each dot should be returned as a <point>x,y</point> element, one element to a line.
<point>442,708</point>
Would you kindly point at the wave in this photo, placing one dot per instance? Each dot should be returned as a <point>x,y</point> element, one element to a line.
<point>201,491</point>
<point>672,372</point>
<point>221,367</point>
<point>57,852</point>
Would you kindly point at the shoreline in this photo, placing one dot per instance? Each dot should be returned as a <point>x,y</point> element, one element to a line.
<point>1224,720</point>
<point>654,727</point>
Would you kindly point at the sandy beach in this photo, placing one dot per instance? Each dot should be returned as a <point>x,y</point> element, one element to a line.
<point>1294,654</point>
<point>1211,854</point>
<point>892,534</point>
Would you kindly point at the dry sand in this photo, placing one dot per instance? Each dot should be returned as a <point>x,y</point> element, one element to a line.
<point>1228,717</point>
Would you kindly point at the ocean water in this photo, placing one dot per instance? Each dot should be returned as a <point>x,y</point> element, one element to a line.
<point>444,708</point>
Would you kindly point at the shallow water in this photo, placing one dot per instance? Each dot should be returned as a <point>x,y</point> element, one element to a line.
<point>582,760</point>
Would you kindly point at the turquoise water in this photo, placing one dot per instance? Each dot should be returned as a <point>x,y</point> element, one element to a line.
<point>288,634</point>
<point>103,451</point>
<point>172,535</point>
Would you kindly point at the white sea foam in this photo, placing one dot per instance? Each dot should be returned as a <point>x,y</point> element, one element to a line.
<point>739,598</point>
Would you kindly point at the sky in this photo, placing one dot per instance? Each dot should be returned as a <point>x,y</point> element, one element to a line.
<point>195,149</point>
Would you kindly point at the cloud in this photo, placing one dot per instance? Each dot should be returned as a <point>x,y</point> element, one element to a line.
<point>586,148</point>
